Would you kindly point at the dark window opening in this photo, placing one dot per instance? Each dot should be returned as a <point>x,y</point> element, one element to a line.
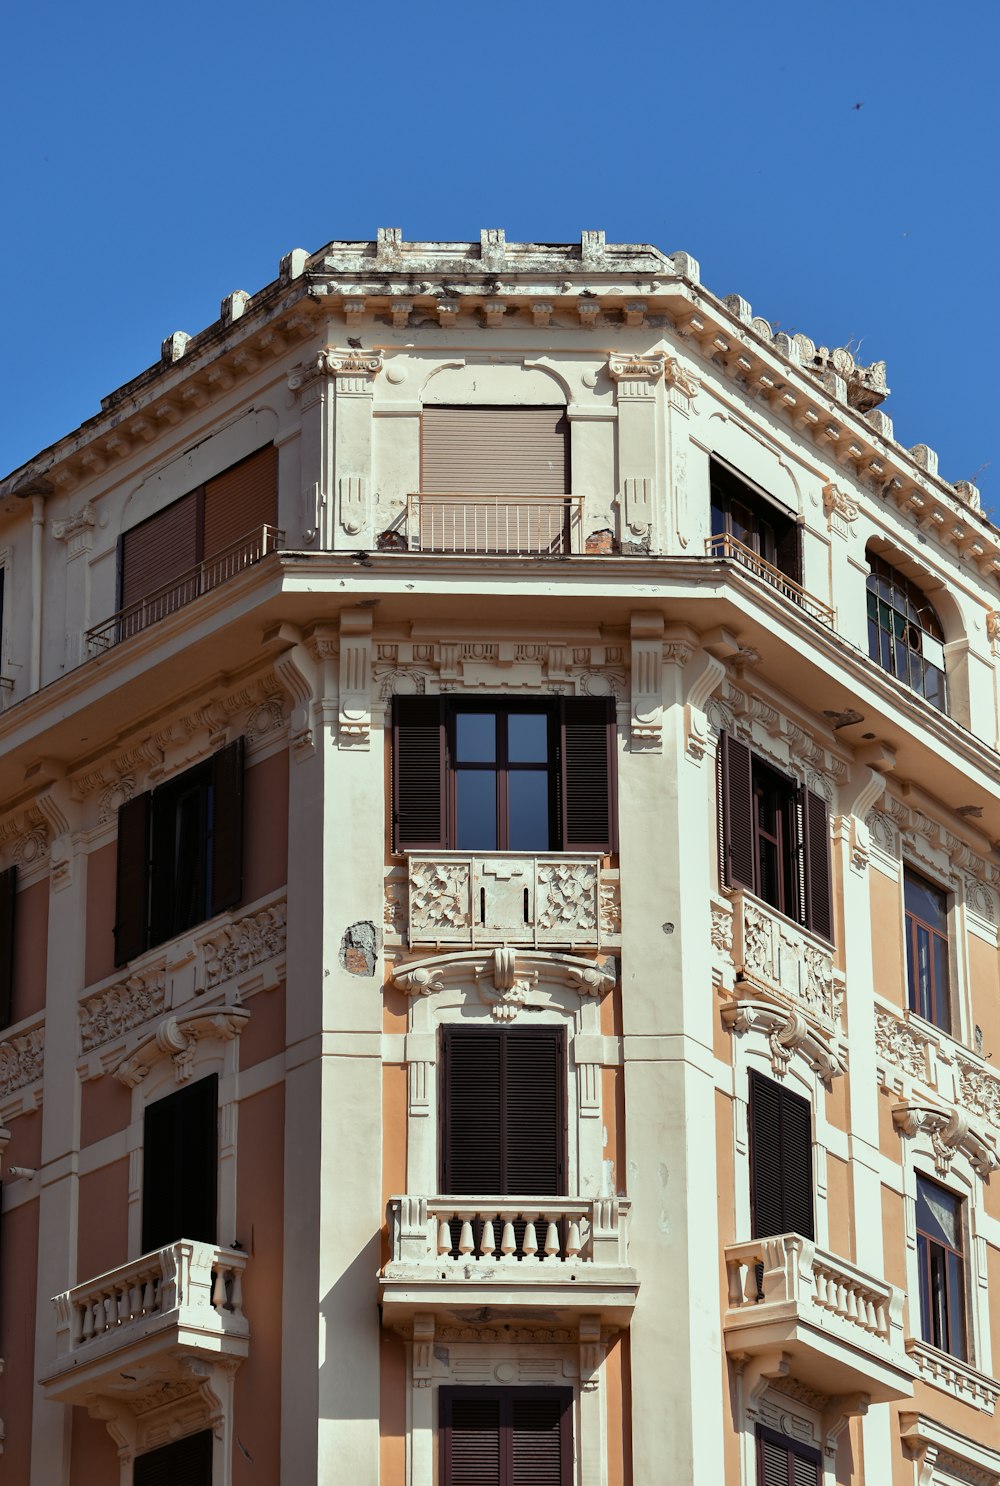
<point>506,1437</point>
<point>781,1178</point>
<point>745,525</point>
<point>180,1163</point>
<point>904,633</point>
<point>186,1462</point>
<point>926,913</point>
<point>8,911</point>
<point>941,1265</point>
<point>785,1462</point>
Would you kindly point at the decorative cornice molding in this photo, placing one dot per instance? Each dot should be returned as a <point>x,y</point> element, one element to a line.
<point>626,368</point>
<point>948,1131</point>
<point>177,1037</point>
<point>118,1009</point>
<point>507,976</point>
<point>787,1032</point>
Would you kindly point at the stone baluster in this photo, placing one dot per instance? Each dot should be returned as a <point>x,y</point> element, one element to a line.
<point>573,1244</point>
<point>529,1244</point>
<point>552,1245</point>
<point>487,1243</point>
<point>508,1244</point>
<point>444,1238</point>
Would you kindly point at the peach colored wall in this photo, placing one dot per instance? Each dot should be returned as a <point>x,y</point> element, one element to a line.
<point>394,1009</point>
<point>265,827</point>
<point>837,1111</point>
<point>613,1110</point>
<point>259,1218</point>
<point>993,1289</point>
<point>102,1242</point>
<point>894,1238</point>
<point>887,942</point>
<point>985,1000</point>
<point>394,1115</point>
<point>25,1145</point>
<point>392,1415</point>
<point>93,1457</point>
<point>264,1034</point>
<point>101,872</point>
<point>18,1282</point>
<point>105,1109</point>
<point>726,1176</point>
<point>840,1207</point>
<point>991,1197</point>
<point>31,930</point>
<point>619,1419</point>
<point>952,1413</point>
<point>888,1135</point>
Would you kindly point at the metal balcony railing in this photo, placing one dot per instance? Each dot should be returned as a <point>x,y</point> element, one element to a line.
<point>211,573</point>
<point>503,524</point>
<point>727,546</point>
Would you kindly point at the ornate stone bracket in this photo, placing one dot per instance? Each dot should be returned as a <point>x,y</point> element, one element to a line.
<point>643,369</point>
<point>840,509</point>
<point>355,717</point>
<point>788,1032</point>
<point>299,675</point>
<point>506,977</point>
<point>177,1037</point>
<point>76,531</point>
<point>949,1131</point>
<point>647,682</point>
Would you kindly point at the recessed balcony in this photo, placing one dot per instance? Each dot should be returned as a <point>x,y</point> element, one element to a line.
<point>141,1326</point>
<point>510,525</point>
<point>817,1317</point>
<point>550,900</point>
<point>461,1258</point>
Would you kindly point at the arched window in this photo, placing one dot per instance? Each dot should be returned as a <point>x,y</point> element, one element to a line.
<point>904,633</point>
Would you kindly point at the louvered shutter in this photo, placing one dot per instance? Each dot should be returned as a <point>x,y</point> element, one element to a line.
<point>587,752</point>
<point>180,1159</point>
<point>159,551</point>
<point>418,774</point>
<point>186,1462</point>
<point>816,864</point>
<point>533,1113</point>
<point>774,1469</point>
<point>538,1438</point>
<point>227,826</point>
<point>785,1462</point>
<point>8,903</point>
<point>470,1428</point>
<point>494,451</point>
<point>788,554</point>
<point>796,1165</point>
<point>738,855</point>
<point>132,882</point>
<point>241,501</point>
<point>781,1195</point>
<point>472,1134</point>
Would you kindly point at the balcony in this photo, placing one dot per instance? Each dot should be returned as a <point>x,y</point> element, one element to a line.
<point>550,900</point>
<point>839,1329</point>
<point>726,546</point>
<point>180,592</point>
<point>141,1326</point>
<point>511,525</point>
<point>775,955</point>
<point>461,1258</point>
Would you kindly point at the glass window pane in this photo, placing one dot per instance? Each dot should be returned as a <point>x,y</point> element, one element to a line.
<point>926,901</point>
<point>934,685</point>
<point>476,809</point>
<point>528,803</point>
<point>956,1306</point>
<point>938,1213</point>
<point>527,737</point>
<point>942,1002</point>
<point>476,737</point>
<point>924,1266</point>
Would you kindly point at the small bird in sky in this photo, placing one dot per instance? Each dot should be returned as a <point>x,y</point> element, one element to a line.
<point>856,106</point>
<point>354,343</point>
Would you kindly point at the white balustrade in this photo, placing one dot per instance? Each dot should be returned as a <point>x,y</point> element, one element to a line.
<point>452,1233</point>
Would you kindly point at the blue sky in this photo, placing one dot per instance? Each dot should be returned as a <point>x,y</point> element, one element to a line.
<point>156,158</point>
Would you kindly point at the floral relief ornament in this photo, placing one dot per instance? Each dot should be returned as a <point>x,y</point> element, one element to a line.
<point>567,895</point>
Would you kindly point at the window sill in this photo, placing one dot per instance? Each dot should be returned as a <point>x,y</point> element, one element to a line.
<point>953,1376</point>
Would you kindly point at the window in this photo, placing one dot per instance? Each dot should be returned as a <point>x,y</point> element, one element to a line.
<point>781,1184</point>
<point>180,853</point>
<point>186,1462</point>
<point>785,1462</point>
<point>506,1437</point>
<point>904,633</point>
<point>942,1268</point>
<point>8,905</point>
<point>495,451</point>
<point>180,1157</point>
<point>748,526</point>
<point>775,837</point>
<point>926,912</point>
<point>498,776</point>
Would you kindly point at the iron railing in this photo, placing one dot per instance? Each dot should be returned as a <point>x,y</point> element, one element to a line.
<point>724,545</point>
<point>510,525</point>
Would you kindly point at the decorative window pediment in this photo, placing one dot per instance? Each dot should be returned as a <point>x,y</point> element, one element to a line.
<point>177,1037</point>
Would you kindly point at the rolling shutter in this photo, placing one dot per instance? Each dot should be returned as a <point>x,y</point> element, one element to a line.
<point>160,550</point>
<point>240,501</point>
<point>495,451</point>
<point>781,1188</point>
<point>418,774</point>
<point>816,864</point>
<point>186,1462</point>
<point>227,826</point>
<point>8,903</point>
<point>588,739</point>
<point>132,882</point>
<point>737,813</point>
<point>180,1151</point>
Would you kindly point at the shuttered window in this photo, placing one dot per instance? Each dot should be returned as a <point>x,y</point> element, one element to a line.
<point>186,1462</point>
<point>785,1462</point>
<point>506,1437</point>
<point>180,853</point>
<point>8,904</point>
<point>495,451</point>
<point>745,522</point>
<point>160,550</point>
<point>242,500</point>
<point>503,1112</point>
<point>490,776</point>
<point>775,837</point>
<point>781,1185</point>
<point>180,1152</point>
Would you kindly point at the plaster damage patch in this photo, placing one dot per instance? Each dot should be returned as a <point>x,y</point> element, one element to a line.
<point>359,948</point>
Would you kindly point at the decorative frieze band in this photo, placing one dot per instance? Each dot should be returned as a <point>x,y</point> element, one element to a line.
<point>118,1009</point>
<point>21,1060</point>
<point>238,947</point>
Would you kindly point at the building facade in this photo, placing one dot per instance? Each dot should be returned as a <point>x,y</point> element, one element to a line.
<point>498,915</point>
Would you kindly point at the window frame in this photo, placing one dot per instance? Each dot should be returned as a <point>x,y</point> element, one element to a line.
<point>911,925</point>
<point>505,1396</point>
<point>501,767</point>
<point>925,1243</point>
<point>884,643</point>
<point>764,511</point>
<point>791,1447</point>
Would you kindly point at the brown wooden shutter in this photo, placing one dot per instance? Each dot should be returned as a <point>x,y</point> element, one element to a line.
<point>472,1125</point>
<point>8,905</point>
<point>503,1112</point>
<point>496,451</point>
<point>241,500</point>
<point>781,1185</point>
<point>470,1437</point>
<point>534,1118</point>
<point>588,755</point>
<point>186,1462</point>
<point>227,826</point>
<point>785,1462</point>
<point>180,1161</point>
<point>788,553</point>
<point>738,855</point>
<point>418,774</point>
<point>816,864</point>
<point>506,1437</point>
<point>132,883</point>
<point>160,550</point>
<point>539,1439</point>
